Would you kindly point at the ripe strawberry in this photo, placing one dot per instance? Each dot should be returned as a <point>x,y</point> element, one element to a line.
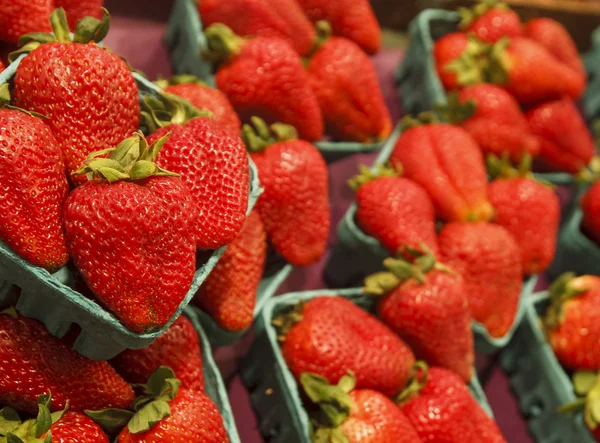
<point>265,77</point>
<point>347,88</point>
<point>77,427</point>
<point>352,19</point>
<point>332,336</point>
<point>294,210</point>
<point>87,92</point>
<point>573,321</point>
<point>1,66</point>
<point>447,162</point>
<point>281,19</point>
<point>458,60</point>
<point>178,348</point>
<point>78,9</point>
<point>566,142</point>
<point>590,206</point>
<point>202,96</point>
<point>444,410</point>
<point>355,415</point>
<point>130,232</point>
<point>229,292</point>
<point>33,188</point>
<point>18,17</point>
<point>490,21</point>
<point>489,261</point>
<point>27,348</point>
<point>396,211</point>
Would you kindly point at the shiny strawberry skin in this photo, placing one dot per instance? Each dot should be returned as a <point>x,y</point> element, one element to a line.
<point>229,292</point>
<point>33,188</point>
<point>489,261</point>
<point>335,336</point>
<point>18,17</point>
<point>267,79</point>
<point>434,319</point>
<point>294,206</point>
<point>214,166</point>
<point>445,50</point>
<point>78,9</point>
<point>134,243</point>
<point>194,418</point>
<point>88,94</point>
<point>495,24</point>
<point>35,362</point>
<point>178,348</point>
<point>447,162</point>
<point>205,97</point>
<point>398,212</point>
<point>590,206</point>
<point>77,427</point>
<point>346,85</point>
<point>530,211</point>
<point>446,412</point>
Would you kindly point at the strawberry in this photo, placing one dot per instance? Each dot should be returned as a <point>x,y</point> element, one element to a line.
<point>447,162</point>
<point>489,261</point>
<point>352,19</point>
<point>19,17</point>
<point>331,335</point>
<point>294,210</point>
<point>458,60</point>
<point>572,321</point>
<point>355,415</point>
<point>202,96</point>
<point>33,188</point>
<point>396,211</point>
<point>490,20</point>
<point>265,77</point>
<point>590,206</point>
<point>229,292</point>
<point>346,85</point>
<point>2,68</point>
<point>75,426</point>
<point>78,9</point>
<point>130,232</point>
<point>27,348</point>
<point>441,409</point>
<point>530,211</point>
<point>87,92</point>
<point>178,348</point>
<point>566,143</point>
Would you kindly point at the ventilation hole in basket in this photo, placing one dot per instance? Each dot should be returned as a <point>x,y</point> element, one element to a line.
<point>536,408</point>
<point>202,257</point>
<point>72,334</point>
<point>9,295</point>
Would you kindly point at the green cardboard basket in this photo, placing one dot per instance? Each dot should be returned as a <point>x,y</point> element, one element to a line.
<point>591,97</point>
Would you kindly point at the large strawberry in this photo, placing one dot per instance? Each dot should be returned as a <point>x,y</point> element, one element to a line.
<point>330,336</point>
<point>78,9</point>
<point>229,292</point>
<point>265,77</point>
<point>590,206</point>
<point>345,82</point>
<point>178,348</point>
<point>295,204</point>
<point>458,60</point>
<point>33,188</point>
<point>447,162</point>
<point>490,21</point>
<point>489,261</point>
<point>18,17</point>
<point>27,348</point>
<point>87,92</point>
<point>130,232</point>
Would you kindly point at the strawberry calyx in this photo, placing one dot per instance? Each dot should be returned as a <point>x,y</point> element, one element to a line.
<point>324,31</point>
<point>258,136</point>
<point>285,321</point>
<point>179,79</point>
<point>168,109</point>
<point>563,289</point>
<point>5,102</point>
<point>502,168</point>
<point>223,44</point>
<point>454,111</point>
<point>587,386</point>
<point>591,172</point>
<point>469,15</point>
<point>368,174</point>
<point>416,384</point>
<point>422,119</point>
<point>471,65</point>
<point>498,67</point>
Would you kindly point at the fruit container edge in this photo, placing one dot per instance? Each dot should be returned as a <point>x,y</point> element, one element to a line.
<point>273,390</point>
<point>591,60</point>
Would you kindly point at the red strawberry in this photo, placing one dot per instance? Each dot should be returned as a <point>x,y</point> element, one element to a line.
<point>566,142</point>
<point>445,411</point>
<point>178,348</point>
<point>77,427</point>
<point>457,60</point>
<point>281,19</point>
<point>229,292</point>
<point>265,77</point>
<point>333,336</point>
<point>131,235</point>
<point>447,162</point>
<point>490,21</point>
<point>78,9</point>
<point>293,207</point>
<point>590,206</point>
<point>1,66</point>
<point>573,321</point>
<point>352,19</point>
<point>346,85</point>
<point>396,211</point>
<point>489,261</point>
<point>33,188</point>
<point>27,348</point>
<point>87,92</point>
<point>18,17</point>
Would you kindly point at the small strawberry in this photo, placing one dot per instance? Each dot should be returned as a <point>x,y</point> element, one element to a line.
<point>489,261</point>
<point>130,232</point>
<point>78,9</point>
<point>490,21</point>
<point>331,336</point>
<point>178,348</point>
<point>396,211</point>
<point>590,206</point>
<point>19,17</point>
<point>293,208</point>
<point>265,77</point>
<point>346,85</point>
<point>77,427</point>
<point>458,60</point>
<point>447,162</point>
<point>229,292</point>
